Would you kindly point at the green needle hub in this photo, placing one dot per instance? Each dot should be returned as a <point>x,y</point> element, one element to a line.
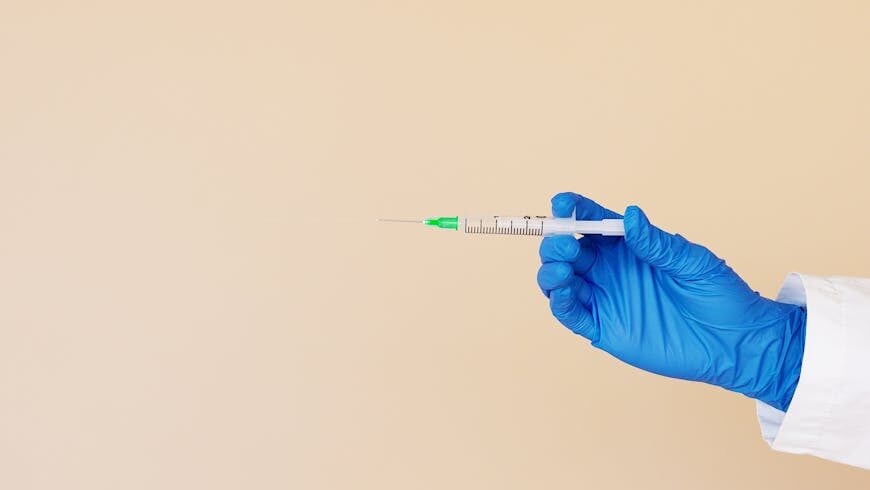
<point>446,222</point>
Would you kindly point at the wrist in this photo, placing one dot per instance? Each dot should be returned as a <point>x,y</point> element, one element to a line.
<point>786,379</point>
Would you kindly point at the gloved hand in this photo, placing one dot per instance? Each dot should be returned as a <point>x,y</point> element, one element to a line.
<point>669,306</point>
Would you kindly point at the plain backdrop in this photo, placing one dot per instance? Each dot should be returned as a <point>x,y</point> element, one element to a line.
<point>195,294</point>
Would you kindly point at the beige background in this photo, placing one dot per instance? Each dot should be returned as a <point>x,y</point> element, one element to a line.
<point>194,293</point>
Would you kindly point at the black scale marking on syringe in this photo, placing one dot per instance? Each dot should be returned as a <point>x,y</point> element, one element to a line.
<point>500,230</point>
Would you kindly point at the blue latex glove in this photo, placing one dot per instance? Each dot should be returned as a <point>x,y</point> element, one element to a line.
<point>669,306</point>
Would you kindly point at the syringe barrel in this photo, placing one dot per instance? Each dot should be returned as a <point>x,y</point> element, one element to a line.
<point>532,225</point>
<point>502,225</point>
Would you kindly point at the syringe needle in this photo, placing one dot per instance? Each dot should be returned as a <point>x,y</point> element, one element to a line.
<point>393,220</point>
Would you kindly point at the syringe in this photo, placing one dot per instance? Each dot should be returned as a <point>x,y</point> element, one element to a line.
<point>521,225</point>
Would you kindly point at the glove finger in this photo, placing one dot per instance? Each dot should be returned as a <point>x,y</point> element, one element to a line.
<point>555,275</point>
<point>564,248</point>
<point>586,257</point>
<point>582,291</point>
<point>560,248</point>
<point>565,203</point>
<point>672,254</point>
<point>568,309</point>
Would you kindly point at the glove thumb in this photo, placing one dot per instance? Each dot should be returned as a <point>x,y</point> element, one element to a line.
<point>672,254</point>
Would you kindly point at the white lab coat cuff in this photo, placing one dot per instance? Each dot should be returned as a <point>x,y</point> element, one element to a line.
<point>829,415</point>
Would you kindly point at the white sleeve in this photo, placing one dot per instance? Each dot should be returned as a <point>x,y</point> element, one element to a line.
<point>829,415</point>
